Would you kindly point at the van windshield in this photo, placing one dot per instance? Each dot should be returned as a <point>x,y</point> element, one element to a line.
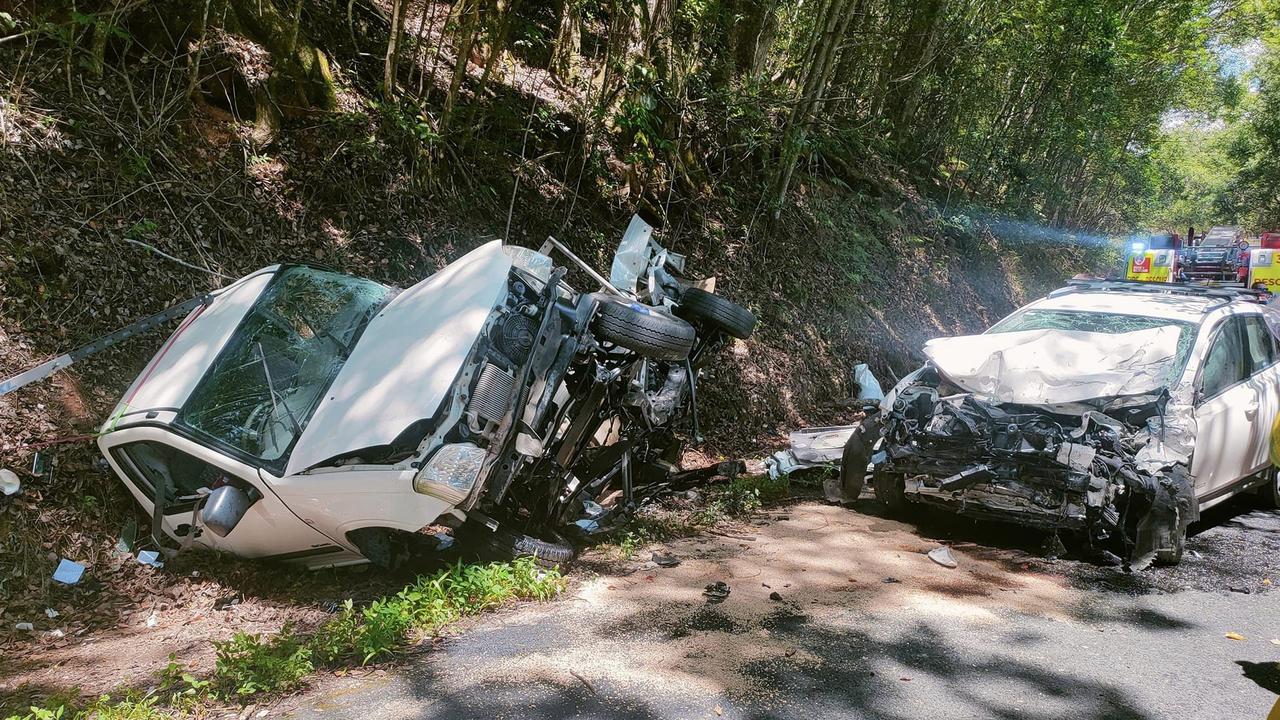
<point>264,387</point>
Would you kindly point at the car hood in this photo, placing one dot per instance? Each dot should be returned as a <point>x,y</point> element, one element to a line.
<point>1057,367</point>
<point>406,360</point>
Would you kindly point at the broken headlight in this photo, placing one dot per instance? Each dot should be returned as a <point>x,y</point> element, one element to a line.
<point>532,262</point>
<point>451,472</point>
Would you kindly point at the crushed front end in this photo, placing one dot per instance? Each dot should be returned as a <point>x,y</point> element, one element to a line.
<point>1032,466</point>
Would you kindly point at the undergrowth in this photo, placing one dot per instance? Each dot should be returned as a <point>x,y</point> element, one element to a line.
<point>249,665</point>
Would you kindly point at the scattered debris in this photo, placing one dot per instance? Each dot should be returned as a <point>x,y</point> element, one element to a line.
<point>666,561</point>
<point>51,613</point>
<point>68,572</point>
<point>1240,589</point>
<point>1234,636</point>
<point>152,620</point>
<point>9,482</point>
<point>150,557</point>
<point>890,580</point>
<point>56,633</point>
<point>719,710</point>
<point>716,592</point>
<point>28,627</point>
<point>775,596</point>
<point>942,555</point>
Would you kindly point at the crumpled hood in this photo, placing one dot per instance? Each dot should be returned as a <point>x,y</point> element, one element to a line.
<point>1056,367</point>
<point>405,363</point>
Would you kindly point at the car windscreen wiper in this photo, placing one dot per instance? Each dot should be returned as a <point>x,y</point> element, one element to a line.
<point>276,401</point>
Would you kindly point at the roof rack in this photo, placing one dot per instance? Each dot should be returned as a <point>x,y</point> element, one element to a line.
<point>1226,293</point>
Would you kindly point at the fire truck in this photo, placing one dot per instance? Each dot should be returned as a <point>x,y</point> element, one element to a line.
<point>1222,257</point>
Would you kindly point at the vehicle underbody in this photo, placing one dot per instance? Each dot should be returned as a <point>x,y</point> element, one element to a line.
<point>1034,466</point>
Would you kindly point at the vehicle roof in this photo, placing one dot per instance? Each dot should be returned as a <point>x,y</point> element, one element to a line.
<point>175,369</point>
<point>1178,307</point>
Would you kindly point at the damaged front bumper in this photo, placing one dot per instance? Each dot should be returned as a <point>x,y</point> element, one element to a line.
<point>1033,466</point>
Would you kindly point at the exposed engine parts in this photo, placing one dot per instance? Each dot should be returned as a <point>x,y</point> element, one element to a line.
<point>1035,467</point>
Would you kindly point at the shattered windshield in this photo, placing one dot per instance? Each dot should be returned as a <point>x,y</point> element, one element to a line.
<point>267,382</point>
<point>1097,322</point>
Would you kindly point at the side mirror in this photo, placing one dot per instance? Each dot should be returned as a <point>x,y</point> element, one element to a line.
<point>224,509</point>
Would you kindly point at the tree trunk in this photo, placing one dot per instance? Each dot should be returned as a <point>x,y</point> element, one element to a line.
<point>391,60</point>
<point>566,57</point>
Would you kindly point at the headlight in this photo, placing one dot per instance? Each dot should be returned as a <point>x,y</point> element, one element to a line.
<point>530,261</point>
<point>451,472</point>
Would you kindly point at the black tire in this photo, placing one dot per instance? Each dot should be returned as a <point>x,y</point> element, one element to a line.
<point>890,489</point>
<point>1270,492</point>
<point>1173,555</point>
<point>643,330</point>
<point>503,544</point>
<point>853,469</point>
<point>700,306</point>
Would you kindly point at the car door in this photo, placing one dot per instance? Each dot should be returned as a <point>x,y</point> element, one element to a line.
<point>1227,405</point>
<point>144,456</point>
<point>1264,376</point>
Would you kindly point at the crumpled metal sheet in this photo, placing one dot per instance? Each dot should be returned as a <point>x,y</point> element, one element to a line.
<point>810,448</point>
<point>1056,367</point>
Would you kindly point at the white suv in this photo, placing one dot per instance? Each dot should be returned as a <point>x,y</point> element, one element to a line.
<point>1116,411</point>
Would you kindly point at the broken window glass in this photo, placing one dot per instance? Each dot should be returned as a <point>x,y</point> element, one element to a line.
<point>269,379</point>
<point>148,463</point>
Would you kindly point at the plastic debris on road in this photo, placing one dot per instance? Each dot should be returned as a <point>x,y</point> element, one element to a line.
<point>1234,636</point>
<point>9,482</point>
<point>51,613</point>
<point>68,572</point>
<point>942,555</point>
<point>24,626</point>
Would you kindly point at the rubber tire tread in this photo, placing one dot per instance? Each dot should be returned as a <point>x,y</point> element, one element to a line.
<point>889,490</point>
<point>716,310</point>
<point>508,545</point>
<point>1270,493</point>
<point>650,334</point>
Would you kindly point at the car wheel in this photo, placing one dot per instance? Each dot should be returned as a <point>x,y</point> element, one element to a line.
<point>708,308</point>
<point>890,489</point>
<point>1173,555</point>
<point>643,330</point>
<point>1270,492</point>
<point>504,544</point>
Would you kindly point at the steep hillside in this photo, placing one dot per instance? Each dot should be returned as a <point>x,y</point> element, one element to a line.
<point>855,268</point>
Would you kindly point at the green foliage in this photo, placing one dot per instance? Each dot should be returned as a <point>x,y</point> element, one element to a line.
<point>246,664</point>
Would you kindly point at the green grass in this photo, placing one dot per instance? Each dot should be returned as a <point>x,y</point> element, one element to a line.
<point>249,665</point>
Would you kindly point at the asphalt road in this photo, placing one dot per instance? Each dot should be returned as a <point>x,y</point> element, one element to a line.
<point>1004,635</point>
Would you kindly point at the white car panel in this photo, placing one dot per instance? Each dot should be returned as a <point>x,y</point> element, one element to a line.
<point>268,529</point>
<point>406,361</point>
<point>337,500</point>
<point>175,370</point>
<point>1169,307</point>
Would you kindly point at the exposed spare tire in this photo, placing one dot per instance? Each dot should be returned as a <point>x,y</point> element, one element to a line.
<point>708,308</point>
<point>643,330</point>
<point>505,544</point>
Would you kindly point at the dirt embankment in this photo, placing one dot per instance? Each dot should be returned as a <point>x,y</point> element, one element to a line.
<point>91,175</point>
